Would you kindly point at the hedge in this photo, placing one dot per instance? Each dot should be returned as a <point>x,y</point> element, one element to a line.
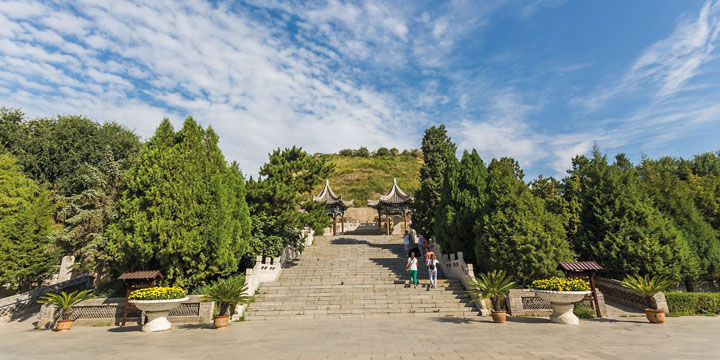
<point>680,303</point>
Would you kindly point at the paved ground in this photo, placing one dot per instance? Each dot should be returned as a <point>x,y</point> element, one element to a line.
<point>378,338</point>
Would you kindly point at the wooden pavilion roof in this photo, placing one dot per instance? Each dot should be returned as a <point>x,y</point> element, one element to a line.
<point>328,197</point>
<point>396,196</point>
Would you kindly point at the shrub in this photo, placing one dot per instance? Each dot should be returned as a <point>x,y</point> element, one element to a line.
<point>158,293</point>
<point>362,152</point>
<point>383,151</point>
<point>583,311</point>
<point>560,284</point>
<point>346,152</point>
<point>693,303</point>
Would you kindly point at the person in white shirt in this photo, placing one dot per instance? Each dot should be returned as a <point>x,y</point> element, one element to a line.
<point>432,264</point>
<point>411,268</point>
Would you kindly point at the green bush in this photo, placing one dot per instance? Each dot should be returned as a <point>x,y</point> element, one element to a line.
<point>680,303</point>
<point>583,311</point>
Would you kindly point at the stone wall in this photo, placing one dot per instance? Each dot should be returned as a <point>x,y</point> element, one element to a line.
<point>109,311</point>
<point>17,306</point>
<point>454,266</point>
<point>614,291</point>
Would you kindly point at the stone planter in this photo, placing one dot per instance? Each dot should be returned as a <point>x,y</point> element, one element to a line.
<point>157,312</point>
<point>562,304</point>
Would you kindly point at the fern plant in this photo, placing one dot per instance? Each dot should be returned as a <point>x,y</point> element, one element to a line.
<point>227,293</point>
<point>494,285</point>
<point>647,286</point>
<point>65,301</point>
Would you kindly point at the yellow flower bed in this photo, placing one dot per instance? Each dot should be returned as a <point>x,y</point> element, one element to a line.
<point>560,284</point>
<point>158,293</point>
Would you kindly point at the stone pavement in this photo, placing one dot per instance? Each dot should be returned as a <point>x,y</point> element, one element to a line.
<point>377,338</point>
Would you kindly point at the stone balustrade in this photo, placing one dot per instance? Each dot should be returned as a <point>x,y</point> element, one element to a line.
<point>523,302</point>
<point>614,291</point>
<point>454,266</point>
<point>16,306</point>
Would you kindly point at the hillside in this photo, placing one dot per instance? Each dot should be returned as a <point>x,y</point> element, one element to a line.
<point>362,178</point>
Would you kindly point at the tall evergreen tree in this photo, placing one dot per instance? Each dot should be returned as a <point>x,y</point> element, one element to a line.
<point>674,198</point>
<point>284,187</point>
<point>85,217</point>
<point>26,220</point>
<point>461,204</point>
<point>620,226</point>
<point>438,150</point>
<point>183,210</point>
<point>517,233</point>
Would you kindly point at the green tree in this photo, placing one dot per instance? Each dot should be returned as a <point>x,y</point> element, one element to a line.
<point>183,210</point>
<point>437,150</point>
<point>283,188</point>
<point>462,204</point>
<point>26,221</point>
<point>394,151</point>
<point>383,151</point>
<point>362,152</point>
<point>85,217</point>
<point>620,227</point>
<point>674,197</point>
<point>517,234</point>
<point>56,150</point>
<point>10,125</point>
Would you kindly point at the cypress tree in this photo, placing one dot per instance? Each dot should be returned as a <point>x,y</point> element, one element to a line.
<point>620,227</point>
<point>461,204</point>
<point>517,234</point>
<point>26,220</point>
<point>438,150</point>
<point>183,210</point>
<point>673,197</point>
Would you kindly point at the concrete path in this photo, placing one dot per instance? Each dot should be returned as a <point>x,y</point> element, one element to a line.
<point>377,338</point>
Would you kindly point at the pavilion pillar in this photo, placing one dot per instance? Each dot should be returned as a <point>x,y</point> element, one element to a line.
<point>342,223</point>
<point>404,221</point>
<point>387,223</point>
<point>334,225</point>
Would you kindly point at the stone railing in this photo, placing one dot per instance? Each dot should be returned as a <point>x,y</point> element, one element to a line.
<point>454,266</point>
<point>523,302</point>
<point>614,291</point>
<point>268,269</point>
<point>109,312</point>
<point>14,307</point>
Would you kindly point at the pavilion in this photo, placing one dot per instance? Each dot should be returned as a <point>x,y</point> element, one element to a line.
<point>334,205</point>
<point>394,202</point>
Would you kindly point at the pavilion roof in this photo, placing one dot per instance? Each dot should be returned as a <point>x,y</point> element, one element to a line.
<point>396,196</point>
<point>328,197</point>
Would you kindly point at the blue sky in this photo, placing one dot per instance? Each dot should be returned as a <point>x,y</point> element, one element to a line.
<point>538,80</point>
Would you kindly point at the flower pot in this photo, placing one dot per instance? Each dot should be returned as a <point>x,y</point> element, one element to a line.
<point>63,325</point>
<point>562,304</point>
<point>221,321</point>
<point>498,316</point>
<point>157,312</point>
<point>655,316</point>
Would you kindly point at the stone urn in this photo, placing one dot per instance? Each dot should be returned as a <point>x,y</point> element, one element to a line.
<point>562,304</point>
<point>157,312</point>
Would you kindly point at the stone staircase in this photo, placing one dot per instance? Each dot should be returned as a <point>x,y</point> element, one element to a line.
<point>356,276</point>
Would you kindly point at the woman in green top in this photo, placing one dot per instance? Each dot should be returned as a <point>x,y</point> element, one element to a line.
<point>411,268</point>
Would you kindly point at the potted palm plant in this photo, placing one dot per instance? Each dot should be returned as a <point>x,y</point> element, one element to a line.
<point>495,286</point>
<point>64,302</point>
<point>226,293</point>
<point>648,287</point>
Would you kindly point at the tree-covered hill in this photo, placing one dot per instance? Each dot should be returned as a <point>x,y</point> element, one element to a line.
<point>364,177</point>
